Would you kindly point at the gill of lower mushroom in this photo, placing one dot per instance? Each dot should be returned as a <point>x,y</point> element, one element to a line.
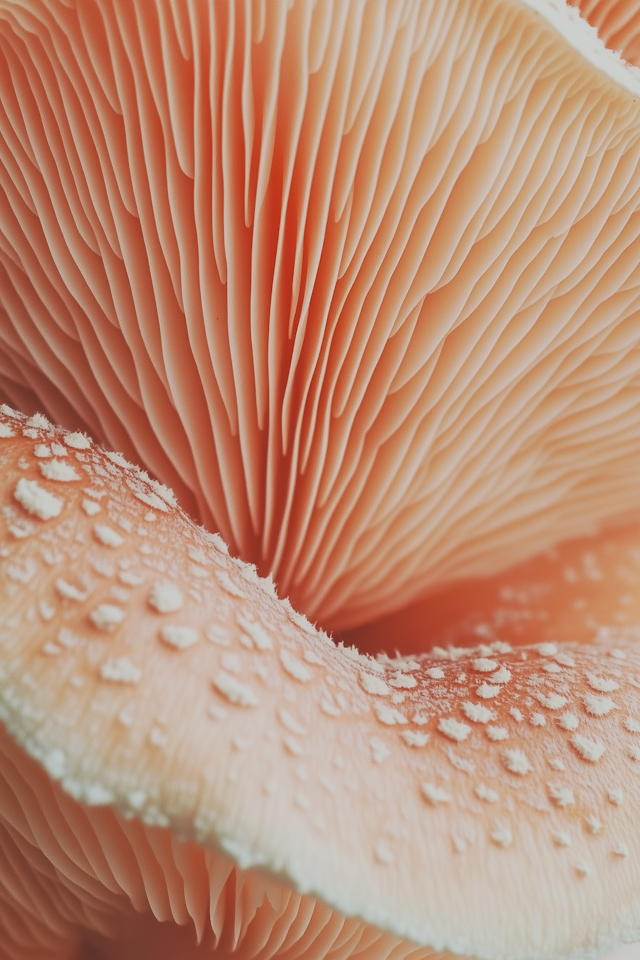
<point>366,331</point>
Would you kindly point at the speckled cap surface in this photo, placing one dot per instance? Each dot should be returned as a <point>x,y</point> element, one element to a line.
<point>150,673</point>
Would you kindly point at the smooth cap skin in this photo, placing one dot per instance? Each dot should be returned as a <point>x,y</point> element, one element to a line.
<point>359,280</point>
<point>483,801</point>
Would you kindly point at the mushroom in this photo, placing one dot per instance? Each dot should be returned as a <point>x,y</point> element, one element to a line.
<point>358,282</point>
<point>180,745</point>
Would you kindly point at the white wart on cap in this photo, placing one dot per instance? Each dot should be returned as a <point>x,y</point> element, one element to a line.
<point>393,803</point>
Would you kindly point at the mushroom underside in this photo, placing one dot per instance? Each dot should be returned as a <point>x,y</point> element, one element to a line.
<point>78,881</point>
<point>360,282</point>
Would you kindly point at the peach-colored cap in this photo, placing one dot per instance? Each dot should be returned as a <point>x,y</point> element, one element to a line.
<point>481,801</point>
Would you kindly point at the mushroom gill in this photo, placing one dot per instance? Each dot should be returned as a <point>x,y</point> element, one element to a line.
<point>617,24</point>
<point>359,281</point>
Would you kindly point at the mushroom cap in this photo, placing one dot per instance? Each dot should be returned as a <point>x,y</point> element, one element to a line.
<point>180,705</point>
<point>359,281</point>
